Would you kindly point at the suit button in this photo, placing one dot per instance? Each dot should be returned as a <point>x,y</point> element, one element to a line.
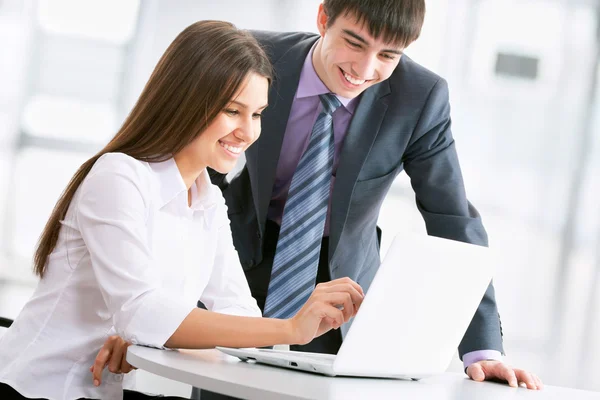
<point>258,235</point>
<point>251,263</point>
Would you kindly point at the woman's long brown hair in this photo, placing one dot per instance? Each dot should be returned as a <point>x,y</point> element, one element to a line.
<point>195,79</point>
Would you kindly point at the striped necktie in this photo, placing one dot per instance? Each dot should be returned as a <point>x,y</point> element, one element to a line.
<point>296,260</point>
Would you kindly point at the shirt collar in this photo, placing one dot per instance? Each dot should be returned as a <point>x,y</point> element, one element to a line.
<point>311,85</point>
<point>169,180</point>
<point>205,195</point>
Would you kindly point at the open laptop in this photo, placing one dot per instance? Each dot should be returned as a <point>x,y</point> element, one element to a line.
<point>412,318</point>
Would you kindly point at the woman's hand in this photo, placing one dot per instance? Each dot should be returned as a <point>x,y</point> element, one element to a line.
<point>112,354</point>
<point>329,306</point>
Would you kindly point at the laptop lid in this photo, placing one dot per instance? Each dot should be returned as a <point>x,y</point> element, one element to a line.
<point>417,308</point>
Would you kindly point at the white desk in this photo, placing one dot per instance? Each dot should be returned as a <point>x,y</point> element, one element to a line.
<point>217,372</point>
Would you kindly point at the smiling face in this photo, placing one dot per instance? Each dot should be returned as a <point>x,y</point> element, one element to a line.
<point>235,128</point>
<point>348,59</point>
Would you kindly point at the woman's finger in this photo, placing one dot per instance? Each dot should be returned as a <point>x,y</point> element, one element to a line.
<point>344,280</point>
<point>342,301</point>
<point>357,296</point>
<point>329,311</point>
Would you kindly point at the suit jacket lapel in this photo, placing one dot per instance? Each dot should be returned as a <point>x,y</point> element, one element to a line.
<point>362,132</point>
<point>263,156</point>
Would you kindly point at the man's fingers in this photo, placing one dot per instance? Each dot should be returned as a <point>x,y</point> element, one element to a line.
<point>125,366</point>
<point>498,370</point>
<point>505,372</point>
<point>114,365</point>
<point>526,378</point>
<point>475,372</point>
<point>493,370</point>
<point>538,381</point>
<point>100,362</point>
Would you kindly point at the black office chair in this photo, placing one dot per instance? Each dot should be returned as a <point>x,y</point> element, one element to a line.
<point>5,322</point>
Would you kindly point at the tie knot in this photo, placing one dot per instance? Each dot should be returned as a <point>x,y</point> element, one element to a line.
<point>330,102</point>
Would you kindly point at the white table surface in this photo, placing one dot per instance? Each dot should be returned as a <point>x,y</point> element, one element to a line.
<point>215,371</point>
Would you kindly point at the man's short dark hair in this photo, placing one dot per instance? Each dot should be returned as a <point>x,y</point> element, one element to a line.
<point>396,21</point>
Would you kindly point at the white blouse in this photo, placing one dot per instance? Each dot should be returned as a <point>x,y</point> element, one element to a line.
<point>132,259</point>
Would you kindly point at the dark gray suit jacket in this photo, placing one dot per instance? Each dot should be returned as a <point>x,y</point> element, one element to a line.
<point>400,124</point>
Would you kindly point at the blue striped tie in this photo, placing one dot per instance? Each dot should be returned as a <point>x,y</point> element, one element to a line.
<point>296,261</point>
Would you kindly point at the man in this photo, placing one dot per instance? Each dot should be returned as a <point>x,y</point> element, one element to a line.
<point>348,112</point>
<point>394,115</point>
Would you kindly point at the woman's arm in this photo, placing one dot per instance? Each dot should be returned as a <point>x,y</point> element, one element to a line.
<point>330,305</point>
<point>203,329</point>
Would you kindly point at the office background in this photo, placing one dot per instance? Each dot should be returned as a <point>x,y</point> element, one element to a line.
<point>523,77</point>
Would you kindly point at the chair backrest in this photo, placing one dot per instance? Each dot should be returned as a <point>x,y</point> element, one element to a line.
<point>4,325</point>
<point>5,322</point>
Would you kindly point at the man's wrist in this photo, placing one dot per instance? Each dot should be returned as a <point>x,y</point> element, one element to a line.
<point>480,355</point>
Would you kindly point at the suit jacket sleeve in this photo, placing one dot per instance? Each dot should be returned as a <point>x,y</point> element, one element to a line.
<point>432,164</point>
<point>218,179</point>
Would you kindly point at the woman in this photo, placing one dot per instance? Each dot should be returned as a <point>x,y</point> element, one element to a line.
<point>140,234</point>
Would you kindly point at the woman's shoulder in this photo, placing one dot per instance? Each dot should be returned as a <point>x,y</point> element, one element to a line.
<point>119,162</point>
<point>118,170</point>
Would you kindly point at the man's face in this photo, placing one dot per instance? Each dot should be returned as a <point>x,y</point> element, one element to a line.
<point>348,59</point>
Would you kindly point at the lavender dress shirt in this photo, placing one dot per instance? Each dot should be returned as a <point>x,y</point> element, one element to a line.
<point>303,114</point>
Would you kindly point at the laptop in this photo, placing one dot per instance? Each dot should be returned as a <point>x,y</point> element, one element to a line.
<point>412,318</point>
